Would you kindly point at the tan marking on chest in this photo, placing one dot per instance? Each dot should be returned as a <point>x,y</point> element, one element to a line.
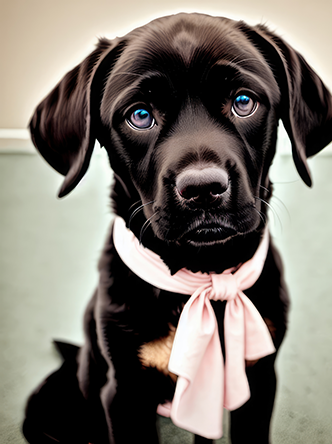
<point>272,328</point>
<point>157,353</point>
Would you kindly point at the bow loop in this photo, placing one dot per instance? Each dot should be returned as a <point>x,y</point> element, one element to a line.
<point>224,287</point>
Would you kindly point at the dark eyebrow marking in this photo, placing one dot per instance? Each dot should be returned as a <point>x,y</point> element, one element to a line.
<point>153,88</point>
<point>250,75</point>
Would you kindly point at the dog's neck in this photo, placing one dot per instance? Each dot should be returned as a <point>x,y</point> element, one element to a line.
<point>212,258</point>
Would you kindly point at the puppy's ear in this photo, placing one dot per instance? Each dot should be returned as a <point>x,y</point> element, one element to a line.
<point>307,104</point>
<point>63,127</point>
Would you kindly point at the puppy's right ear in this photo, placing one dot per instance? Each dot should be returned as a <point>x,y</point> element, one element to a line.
<point>306,110</point>
<point>63,127</point>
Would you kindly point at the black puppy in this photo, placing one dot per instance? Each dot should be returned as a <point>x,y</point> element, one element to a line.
<point>187,108</point>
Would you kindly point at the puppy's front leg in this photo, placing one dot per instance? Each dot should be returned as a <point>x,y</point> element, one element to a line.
<point>251,422</point>
<point>130,407</point>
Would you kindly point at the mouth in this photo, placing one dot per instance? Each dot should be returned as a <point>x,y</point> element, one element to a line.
<point>208,235</point>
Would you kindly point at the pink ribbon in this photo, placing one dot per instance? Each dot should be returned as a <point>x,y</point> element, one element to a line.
<point>205,385</point>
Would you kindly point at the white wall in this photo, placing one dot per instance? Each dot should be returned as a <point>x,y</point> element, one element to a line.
<point>42,39</point>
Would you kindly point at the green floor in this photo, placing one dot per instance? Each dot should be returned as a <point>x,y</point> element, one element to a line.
<point>49,250</point>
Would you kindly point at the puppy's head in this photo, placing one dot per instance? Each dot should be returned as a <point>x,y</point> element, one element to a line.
<point>187,108</point>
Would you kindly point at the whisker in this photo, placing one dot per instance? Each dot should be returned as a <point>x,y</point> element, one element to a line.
<point>274,197</point>
<point>266,189</point>
<point>262,216</point>
<point>145,226</point>
<point>282,205</point>
<point>131,206</point>
<point>135,212</point>
<point>286,182</point>
<point>274,212</point>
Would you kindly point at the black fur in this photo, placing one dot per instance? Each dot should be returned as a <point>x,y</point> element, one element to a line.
<point>193,188</point>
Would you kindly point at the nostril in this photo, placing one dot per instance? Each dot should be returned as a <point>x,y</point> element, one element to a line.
<point>195,192</point>
<point>217,188</point>
<point>202,185</point>
<point>189,192</point>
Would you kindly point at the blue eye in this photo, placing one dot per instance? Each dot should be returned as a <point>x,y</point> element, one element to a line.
<point>244,106</point>
<point>141,119</point>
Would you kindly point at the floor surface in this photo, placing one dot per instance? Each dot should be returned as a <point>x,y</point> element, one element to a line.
<point>49,249</point>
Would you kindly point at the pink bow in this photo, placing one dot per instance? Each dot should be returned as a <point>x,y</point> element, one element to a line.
<point>205,385</point>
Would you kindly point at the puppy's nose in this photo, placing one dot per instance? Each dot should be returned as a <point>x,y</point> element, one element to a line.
<point>202,186</point>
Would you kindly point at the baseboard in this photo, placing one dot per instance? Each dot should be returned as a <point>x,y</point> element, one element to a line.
<point>17,141</point>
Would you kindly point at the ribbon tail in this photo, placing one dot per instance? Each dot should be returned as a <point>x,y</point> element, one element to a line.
<point>237,390</point>
<point>258,341</point>
<point>165,409</point>
<point>197,360</point>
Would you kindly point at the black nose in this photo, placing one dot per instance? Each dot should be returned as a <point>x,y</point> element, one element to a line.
<point>202,186</point>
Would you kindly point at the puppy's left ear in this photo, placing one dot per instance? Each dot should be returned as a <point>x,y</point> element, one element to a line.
<point>64,125</point>
<point>306,103</point>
